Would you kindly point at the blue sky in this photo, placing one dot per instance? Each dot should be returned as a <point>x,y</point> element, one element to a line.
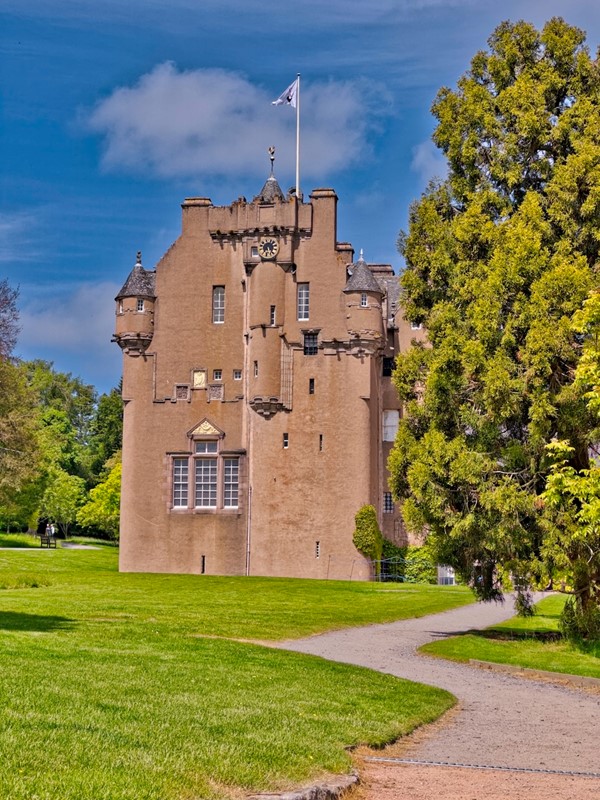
<point>114,111</point>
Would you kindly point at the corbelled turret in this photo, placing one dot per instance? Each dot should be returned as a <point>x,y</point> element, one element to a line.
<point>135,310</point>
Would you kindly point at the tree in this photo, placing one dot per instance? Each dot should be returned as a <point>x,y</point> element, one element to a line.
<point>499,257</point>
<point>9,319</point>
<point>367,536</point>
<point>18,450</point>
<point>101,512</point>
<point>572,497</point>
<point>62,499</point>
<point>106,430</point>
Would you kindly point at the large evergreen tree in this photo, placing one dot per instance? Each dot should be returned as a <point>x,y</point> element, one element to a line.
<point>499,258</point>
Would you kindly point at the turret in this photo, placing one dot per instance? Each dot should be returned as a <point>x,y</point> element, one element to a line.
<point>135,310</point>
<point>363,302</point>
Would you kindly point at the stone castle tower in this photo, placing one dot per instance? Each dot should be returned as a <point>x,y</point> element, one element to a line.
<point>259,409</point>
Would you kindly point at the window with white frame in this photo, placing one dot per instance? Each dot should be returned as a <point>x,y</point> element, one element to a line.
<point>231,467</point>
<point>388,503</point>
<point>217,374</point>
<point>303,300</point>
<point>391,420</point>
<point>180,482</point>
<point>206,479</point>
<point>140,304</point>
<point>218,304</point>
<point>364,300</point>
<point>237,374</point>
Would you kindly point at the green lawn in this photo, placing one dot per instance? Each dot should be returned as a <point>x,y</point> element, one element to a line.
<point>532,642</point>
<point>125,686</point>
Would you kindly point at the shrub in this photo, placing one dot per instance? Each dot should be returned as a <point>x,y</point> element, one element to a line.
<point>367,536</point>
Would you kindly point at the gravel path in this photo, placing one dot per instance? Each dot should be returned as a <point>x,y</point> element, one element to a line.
<point>503,720</point>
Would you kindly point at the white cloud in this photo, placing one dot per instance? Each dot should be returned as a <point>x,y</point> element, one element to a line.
<point>213,122</point>
<point>72,327</point>
<point>15,237</point>
<point>428,162</point>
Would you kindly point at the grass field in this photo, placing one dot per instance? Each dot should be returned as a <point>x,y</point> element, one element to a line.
<point>132,687</point>
<point>532,642</point>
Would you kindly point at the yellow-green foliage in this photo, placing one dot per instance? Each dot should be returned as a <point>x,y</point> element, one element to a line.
<point>367,537</point>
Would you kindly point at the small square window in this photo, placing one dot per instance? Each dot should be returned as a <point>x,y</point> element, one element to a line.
<point>217,375</point>
<point>286,441</point>
<point>237,374</point>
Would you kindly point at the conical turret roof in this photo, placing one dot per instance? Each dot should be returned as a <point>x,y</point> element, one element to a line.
<point>361,278</point>
<point>140,282</point>
<point>271,191</point>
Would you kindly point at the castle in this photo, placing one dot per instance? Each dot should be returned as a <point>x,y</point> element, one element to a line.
<point>258,404</point>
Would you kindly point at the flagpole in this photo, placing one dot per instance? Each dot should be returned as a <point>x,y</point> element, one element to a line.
<point>298,138</point>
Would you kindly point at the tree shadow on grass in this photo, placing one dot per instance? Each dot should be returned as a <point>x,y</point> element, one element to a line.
<point>14,621</point>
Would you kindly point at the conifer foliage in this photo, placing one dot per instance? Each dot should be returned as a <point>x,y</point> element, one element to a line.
<point>500,257</point>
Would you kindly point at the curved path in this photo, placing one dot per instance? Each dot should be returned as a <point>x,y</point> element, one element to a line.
<point>503,720</point>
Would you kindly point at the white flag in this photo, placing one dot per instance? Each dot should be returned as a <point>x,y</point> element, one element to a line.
<point>288,98</point>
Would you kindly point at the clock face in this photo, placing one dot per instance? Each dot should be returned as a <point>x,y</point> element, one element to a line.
<point>268,247</point>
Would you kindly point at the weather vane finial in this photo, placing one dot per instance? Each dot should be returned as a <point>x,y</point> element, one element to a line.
<point>272,156</point>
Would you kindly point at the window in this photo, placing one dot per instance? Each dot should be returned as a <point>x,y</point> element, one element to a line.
<point>311,385</point>
<point>214,478</point>
<point>416,326</point>
<point>202,565</point>
<point>180,482</point>
<point>388,366</point>
<point>388,503</point>
<point>217,375</point>
<point>231,482</point>
<point>391,420</point>
<point>140,304</point>
<point>286,441</point>
<point>317,549</point>
<point>120,306</point>
<point>256,369</point>
<point>237,374</point>
<point>320,442</point>
<point>205,487</point>
<point>311,344</point>
<point>272,316</point>
<point>364,300</point>
<point>303,300</point>
<point>218,304</point>
<point>254,251</point>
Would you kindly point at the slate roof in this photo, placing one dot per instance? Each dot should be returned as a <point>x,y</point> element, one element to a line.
<point>271,191</point>
<point>362,279</point>
<point>140,283</point>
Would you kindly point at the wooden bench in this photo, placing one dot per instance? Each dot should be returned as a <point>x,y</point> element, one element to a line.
<point>46,540</point>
